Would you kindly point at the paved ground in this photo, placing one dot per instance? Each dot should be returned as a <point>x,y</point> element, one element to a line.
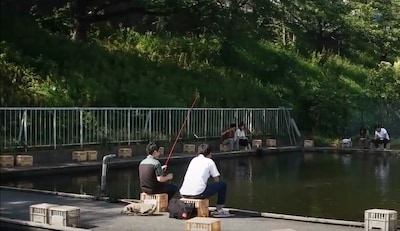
<point>100,215</point>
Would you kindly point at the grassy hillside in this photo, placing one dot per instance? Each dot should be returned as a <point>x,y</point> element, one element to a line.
<point>125,68</point>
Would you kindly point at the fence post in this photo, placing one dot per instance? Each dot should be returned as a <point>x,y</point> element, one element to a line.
<point>188,124</point>
<point>105,123</point>
<point>205,123</point>
<point>55,129</point>
<point>169,124</point>
<point>264,122</point>
<point>221,121</point>
<point>81,127</point>
<point>129,126</point>
<point>25,131</point>
<point>277,120</point>
<point>150,123</point>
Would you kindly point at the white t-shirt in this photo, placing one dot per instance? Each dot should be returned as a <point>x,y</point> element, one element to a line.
<point>196,177</point>
<point>383,134</point>
<point>240,134</point>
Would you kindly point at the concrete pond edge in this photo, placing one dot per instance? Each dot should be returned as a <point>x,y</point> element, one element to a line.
<point>233,210</point>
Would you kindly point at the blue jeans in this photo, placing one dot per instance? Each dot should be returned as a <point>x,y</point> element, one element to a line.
<point>229,142</point>
<point>214,188</point>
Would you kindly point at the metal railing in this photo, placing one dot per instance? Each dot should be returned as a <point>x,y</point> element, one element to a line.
<point>372,113</point>
<point>55,127</point>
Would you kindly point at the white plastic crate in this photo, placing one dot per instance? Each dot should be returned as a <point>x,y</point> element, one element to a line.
<point>40,212</point>
<point>385,220</point>
<point>64,216</point>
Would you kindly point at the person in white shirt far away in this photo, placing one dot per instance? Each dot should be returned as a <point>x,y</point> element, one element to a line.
<point>381,137</point>
<point>241,138</point>
<point>195,185</point>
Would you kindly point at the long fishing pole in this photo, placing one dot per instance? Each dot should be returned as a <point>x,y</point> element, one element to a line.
<point>181,129</point>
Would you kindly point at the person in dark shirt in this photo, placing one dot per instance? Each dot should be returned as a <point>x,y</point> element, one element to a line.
<point>151,174</point>
<point>228,136</point>
<point>364,137</point>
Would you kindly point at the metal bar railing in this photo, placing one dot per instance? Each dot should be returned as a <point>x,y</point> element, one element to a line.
<point>56,127</point>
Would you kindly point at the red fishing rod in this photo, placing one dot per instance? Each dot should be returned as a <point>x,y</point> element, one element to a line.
<point>181,129</point>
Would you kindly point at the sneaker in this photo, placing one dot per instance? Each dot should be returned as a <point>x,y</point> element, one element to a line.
<point>220,213</point>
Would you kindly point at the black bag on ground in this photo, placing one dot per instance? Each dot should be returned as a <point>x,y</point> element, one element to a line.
<point>180,210</point>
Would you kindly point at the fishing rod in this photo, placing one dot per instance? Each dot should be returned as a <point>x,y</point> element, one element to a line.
<point>181,129</point>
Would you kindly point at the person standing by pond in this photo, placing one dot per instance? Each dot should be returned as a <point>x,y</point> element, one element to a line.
<point>381,137</point>
<point>195,185</point>
<point>151,174</point>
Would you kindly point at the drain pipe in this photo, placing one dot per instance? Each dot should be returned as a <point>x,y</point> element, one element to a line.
<point>104,172</point>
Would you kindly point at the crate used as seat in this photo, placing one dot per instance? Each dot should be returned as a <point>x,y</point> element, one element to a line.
<point>24,160</point>
<point>79,156</point>
<point>125,152</point>
<point>308,143</point>
<point>64,215</point>
<point>91,155</point>
<point>271,142</point>
<point>161,200</point>
<point>161,150</point>
<point>189,148</point>
<point>200,204</point>
<point>39,213</point>
<point>203,224</point>
<point>385,220</point>
<point>223,148</point>
<point>6,161</point>
<point>257,144</point>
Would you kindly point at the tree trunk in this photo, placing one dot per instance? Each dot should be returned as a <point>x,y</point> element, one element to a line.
<point>80,19</point>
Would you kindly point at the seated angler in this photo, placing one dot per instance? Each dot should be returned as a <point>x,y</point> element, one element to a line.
<point>228,137</point>
<point>240,137</point>
<point>381,137</point>
<point>195,185</point>
<point>364,137</point>
<point>151,174</point>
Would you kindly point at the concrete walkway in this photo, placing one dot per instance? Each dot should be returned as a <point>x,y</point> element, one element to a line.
<point>100,215</point>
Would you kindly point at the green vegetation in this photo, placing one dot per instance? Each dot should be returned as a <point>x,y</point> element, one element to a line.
<point>317,57</point>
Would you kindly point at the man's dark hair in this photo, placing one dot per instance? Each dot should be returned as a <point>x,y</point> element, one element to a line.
<point>151,147</point>
<point>204,149</point>
<point>232,125</point>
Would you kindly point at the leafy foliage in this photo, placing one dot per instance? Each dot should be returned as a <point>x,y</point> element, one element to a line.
<point>319,57</point>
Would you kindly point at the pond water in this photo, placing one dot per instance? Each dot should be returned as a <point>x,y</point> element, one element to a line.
<point>319,185</point>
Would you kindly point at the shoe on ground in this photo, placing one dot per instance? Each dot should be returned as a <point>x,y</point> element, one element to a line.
<point>220,213</point>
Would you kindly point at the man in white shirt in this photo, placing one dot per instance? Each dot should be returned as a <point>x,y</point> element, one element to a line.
<point>381,137</point>
<point>194,185</point>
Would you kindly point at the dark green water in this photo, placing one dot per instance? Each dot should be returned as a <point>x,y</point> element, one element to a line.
<point>317,185</point>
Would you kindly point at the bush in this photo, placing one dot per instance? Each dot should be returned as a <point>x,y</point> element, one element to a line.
<point>132,69</point>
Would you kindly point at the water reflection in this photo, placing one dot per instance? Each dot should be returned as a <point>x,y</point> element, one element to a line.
<point>308,157</point>
<point>382,169</point>
<point>346,159</point>
<point>243,171</point>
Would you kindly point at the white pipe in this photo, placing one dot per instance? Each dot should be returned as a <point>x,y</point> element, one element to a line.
<point>104,172</point>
